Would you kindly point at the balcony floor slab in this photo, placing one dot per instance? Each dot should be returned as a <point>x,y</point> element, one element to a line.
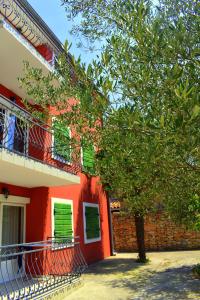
<point>22,171</point>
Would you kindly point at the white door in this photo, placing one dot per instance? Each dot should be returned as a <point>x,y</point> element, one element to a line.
<point>12,233</point>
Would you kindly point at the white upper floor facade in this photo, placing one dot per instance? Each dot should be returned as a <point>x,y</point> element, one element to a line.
<point>24,36</point>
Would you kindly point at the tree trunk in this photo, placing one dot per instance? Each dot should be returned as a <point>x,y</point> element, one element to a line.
<point>139,225</point>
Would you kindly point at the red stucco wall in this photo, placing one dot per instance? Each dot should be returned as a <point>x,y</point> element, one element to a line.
<point>38,213</point>
<point>15,190</point>
<point>45,51</point>
<point>39,225</point>
<point>9,94</point>
<point>88,191</point>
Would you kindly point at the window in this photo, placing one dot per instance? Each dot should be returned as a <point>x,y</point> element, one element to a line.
<point>92,231</point>
<point>62,219</point>
<point>61,142</point>
<point>13,131</point>
<point>88,155</point>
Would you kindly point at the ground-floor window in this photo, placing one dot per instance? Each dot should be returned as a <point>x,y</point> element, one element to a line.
<point>62,219</point>
<point>92,230</point>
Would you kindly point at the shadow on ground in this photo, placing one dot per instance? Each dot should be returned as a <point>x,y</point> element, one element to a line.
<point>170,284</point>
<point>168,276</point>
<point>113,265</point>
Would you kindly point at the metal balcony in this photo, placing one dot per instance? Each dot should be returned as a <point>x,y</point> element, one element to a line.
<point>23,17</point>
<point>37,270</point>
<point>32,151</point>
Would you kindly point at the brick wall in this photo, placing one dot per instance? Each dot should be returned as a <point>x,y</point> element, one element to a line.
<point>160,234</point>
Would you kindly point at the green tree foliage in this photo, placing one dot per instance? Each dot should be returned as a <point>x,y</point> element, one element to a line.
<point>147,133</point>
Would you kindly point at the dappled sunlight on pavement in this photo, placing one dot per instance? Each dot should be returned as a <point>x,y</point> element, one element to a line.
<point>168,276</point>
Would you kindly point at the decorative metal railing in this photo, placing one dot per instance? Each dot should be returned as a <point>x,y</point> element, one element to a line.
<point>18,17</point>
<point>36,270</point>
<point>27,136</point>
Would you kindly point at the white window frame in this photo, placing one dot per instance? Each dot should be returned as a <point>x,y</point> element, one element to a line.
<point>62,201</point>
<point>86,240</point>
<point>57,156</point>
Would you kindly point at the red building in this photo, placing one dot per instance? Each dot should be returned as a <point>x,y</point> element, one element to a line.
<point>44,195</point>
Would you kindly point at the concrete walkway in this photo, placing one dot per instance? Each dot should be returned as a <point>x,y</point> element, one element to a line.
<point>168,276</point>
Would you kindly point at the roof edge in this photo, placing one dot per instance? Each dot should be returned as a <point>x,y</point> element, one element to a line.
<point>35,18</point>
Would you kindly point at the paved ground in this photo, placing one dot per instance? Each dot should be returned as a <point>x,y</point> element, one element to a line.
<point>168,276</point>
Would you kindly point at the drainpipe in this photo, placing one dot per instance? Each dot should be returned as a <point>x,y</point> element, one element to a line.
<point>112,251</point>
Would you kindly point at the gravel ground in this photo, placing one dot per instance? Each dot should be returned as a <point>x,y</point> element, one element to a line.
<point>168,276</point>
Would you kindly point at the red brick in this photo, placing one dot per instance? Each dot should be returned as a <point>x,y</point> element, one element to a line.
<point>160,234</point>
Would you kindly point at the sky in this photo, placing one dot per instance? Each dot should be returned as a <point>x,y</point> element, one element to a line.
<point>55,17</point>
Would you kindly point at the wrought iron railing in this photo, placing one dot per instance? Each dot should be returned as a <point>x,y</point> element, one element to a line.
<point>27,136</point>
<point>36,270</point>
<point>20,19</point>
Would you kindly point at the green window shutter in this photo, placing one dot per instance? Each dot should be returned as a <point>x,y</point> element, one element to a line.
<point>88,158</point>
<point>62,149</point>
<point>92,222</point>
<point>63,220</point>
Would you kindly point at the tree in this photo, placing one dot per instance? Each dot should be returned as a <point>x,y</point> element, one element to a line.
<point>148,142</point>
<point>151,57</point>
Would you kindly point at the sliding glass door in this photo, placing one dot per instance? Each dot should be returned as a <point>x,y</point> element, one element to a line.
<point>12,225</point>
<point>12,232</point>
